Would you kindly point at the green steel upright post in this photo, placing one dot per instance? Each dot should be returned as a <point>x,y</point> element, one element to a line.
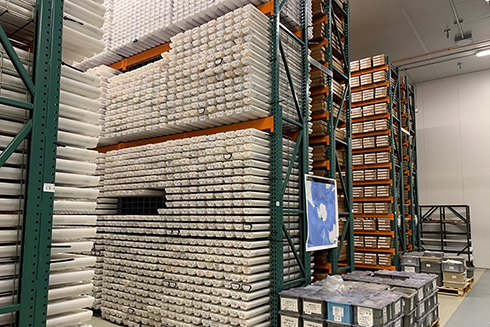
<point>413,130</point>
<point>38,212</point>
<point>347,237</point>
<point>41,131</point>
<point>278,229</point>
<point>400,210</point>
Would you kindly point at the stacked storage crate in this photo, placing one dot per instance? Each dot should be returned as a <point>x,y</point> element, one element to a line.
<point>383,298</point>
<point>330,138</point>
<point>377,184</point>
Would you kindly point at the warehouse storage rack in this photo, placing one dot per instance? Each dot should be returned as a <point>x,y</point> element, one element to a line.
<point>331,114</point>
<point>410,157</point>
<point>41,131</point>
<point>279,234</point>
<point>393,205</point>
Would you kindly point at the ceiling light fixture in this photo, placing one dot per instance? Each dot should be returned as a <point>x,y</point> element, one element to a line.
<point>483,53</point>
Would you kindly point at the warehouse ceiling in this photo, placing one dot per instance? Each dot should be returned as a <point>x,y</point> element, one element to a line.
<point>413,33</point>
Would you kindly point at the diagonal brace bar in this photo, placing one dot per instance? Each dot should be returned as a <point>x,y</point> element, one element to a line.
<point>9,308</point>
<point>291,245</point>
<point>290,80</point>
<point>19,67</point>
<point>291,163</point>
<point>14,144</point>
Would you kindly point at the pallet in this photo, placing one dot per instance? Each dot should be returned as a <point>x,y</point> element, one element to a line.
<point>457,291</point>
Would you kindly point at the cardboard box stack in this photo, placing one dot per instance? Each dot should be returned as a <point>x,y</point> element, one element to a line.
<point>374,160</point>
<point>363,299</point>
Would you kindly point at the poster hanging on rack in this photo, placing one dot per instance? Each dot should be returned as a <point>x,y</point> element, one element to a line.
<point>322,213</point>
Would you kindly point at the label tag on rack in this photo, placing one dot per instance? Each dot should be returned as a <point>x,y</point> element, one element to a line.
<point>48,188</point>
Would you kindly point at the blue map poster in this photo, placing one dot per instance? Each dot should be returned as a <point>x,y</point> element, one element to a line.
<point>321,213</point>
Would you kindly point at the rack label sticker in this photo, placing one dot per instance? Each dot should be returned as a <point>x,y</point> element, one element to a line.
<point>288,304</point>
<point>312,308</point>
<point>48,188</point>
<point>365,317</point>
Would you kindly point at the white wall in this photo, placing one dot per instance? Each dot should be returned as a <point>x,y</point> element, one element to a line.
<point>453,126</point>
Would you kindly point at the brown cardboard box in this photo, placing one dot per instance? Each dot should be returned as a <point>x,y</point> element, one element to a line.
<point>356,112</point>
<point>319,103</point>
<point>367,95</point>
<point>356,144</point>
<point>369,208</point>
<point>369,158</point>
<point>370,175</point>
<point>368,142</point>
<point>368,126</point>
<point>366,79</point>
<point>369,224</point>
<point>385,259</point>
<point>357,128</point>
<point>354,65</point>
<point>383,174</point>
<point>358,175</point>
<point>357,208</point>
<point>370,241</point>
<point>385,242</point>
<point>358,224</point>
<point>383,190</point>
<point>359,258</point>
<point>380,92</point>
<point>319,276</point>
<point>358,241</point>
<point>355,81</point>
<point>379,60</point>
<point>384,224</point>
<point>380,108</point>
<point>370,259</point>
<point>370,191</point>
<point>358,192</point>
<point>380,76</point>
<point>357,96</point>
<point>381,124</point>
<point>382,157</point>
<point>357,159</point>
<point>365,63</point>
<point>383,208</point>
<point>368,111</point>
<point>382,141</point>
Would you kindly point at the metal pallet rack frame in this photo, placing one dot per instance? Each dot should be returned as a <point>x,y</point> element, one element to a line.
<point>394,148</point>
<point>410,157</point>
<point>331,20</point>
<point>41,132</point>
<point>279,231</point>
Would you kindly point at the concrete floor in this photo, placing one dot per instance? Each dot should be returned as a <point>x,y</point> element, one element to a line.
<point>471,310</point>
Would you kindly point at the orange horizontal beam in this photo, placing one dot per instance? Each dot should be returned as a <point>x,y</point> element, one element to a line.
<point>267,8</point>
<point>372,166</point>
<point>376,182</point>
<point>320,91</point>
<point>370,86</point>
<point>372,150</point>
<point>374,199</point>
<point>370,102</point>
<point>378,267</point>
<point>369,70</point>
<point>369,118</point>
<point>320,140</point>
<point>321,164</point>
<point>374,233</point>
<point>141,57</point>
<point>263,124</point>
<point>320,115</point>
<point>377,250</point>
<point>373,215</point>
<point>368,134</point>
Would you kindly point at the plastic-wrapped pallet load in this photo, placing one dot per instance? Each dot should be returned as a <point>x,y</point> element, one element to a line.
<point>205,259</point>
<point>82,26</point>
<point>215,74</point>
<point>75,193</point>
